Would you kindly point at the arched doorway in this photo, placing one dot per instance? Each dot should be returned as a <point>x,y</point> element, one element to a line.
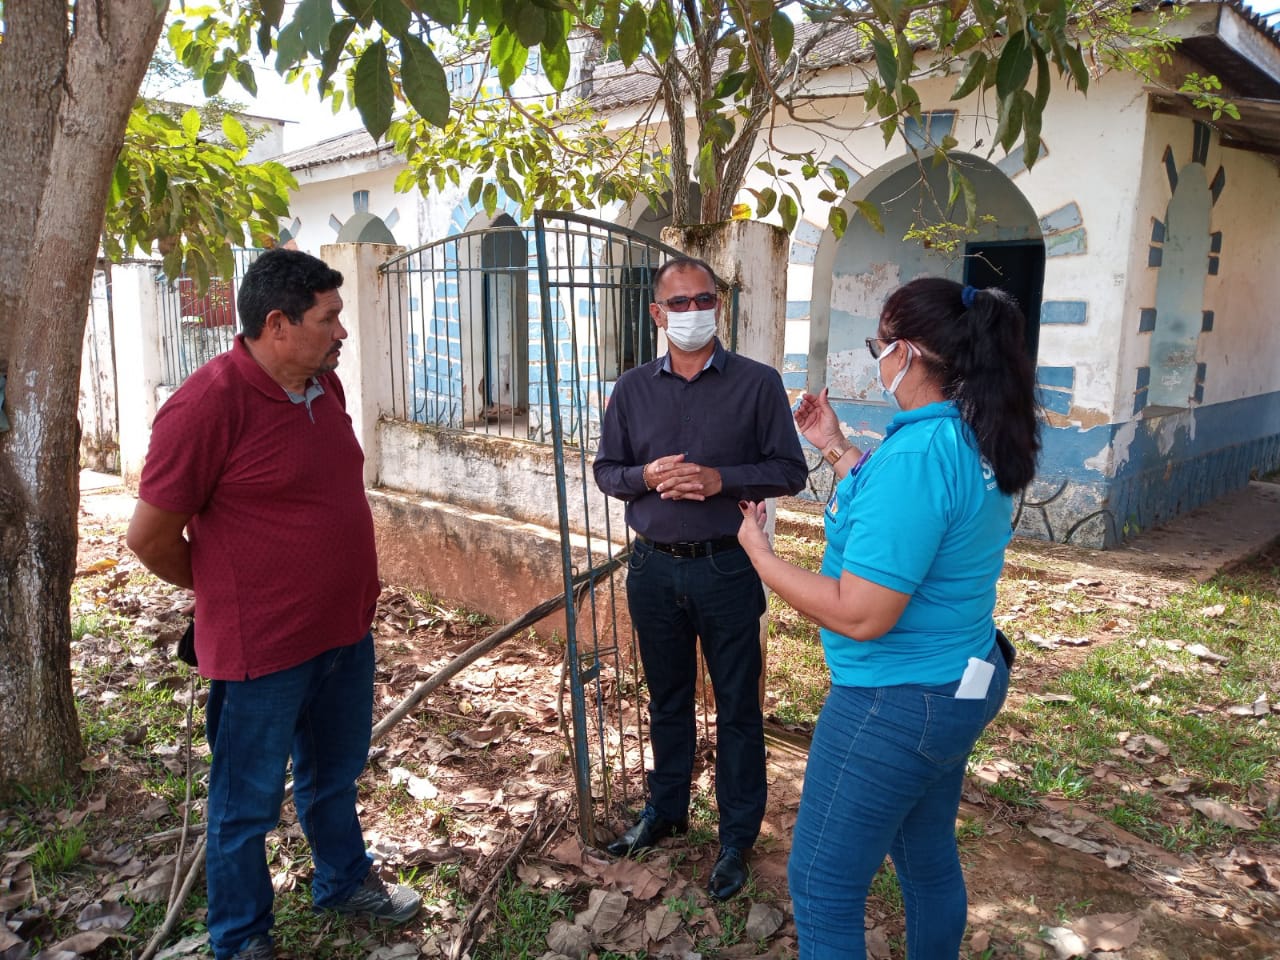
<point>853,275</point>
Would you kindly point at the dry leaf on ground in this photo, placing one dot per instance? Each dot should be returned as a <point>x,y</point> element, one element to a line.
<point>1222,813</point>
<point>1109,931</point>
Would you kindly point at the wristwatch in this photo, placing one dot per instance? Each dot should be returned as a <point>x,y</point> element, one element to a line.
<point>833,454</point>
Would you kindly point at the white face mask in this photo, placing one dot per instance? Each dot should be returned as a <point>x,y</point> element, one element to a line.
<point>691,329</point>
<point>890,391</point>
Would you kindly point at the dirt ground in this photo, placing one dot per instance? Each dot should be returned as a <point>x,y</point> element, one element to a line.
<point>481,767</point>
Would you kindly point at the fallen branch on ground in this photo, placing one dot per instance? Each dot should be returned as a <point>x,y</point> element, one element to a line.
<point>489,894</point>
<point>581,583</point>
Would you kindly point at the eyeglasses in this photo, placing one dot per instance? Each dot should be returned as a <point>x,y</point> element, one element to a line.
<point>701,301</point>
<point>876,346</point>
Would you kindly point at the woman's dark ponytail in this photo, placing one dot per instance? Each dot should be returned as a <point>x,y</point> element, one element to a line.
<point>974,342</point>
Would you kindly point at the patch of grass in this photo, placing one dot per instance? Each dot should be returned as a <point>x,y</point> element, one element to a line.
<point>1048,778</point>
<point>886,889</point>
<point>521,920</point>
<point>796,673</point>
<point>58,854</point>
<point>1155,702</point>
<point>733,930</point>
<point>686,908</point>
<point>704,820</point>
<point>300,931</point>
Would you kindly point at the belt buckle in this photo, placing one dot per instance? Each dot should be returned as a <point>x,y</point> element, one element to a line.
<point>685,550</point>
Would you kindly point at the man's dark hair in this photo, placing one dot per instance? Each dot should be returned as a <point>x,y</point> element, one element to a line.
<point>284,280</point>
<point>684,263</point>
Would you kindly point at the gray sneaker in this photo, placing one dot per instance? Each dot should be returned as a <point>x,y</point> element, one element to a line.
<point>397,904</point>
<point>256,948</point>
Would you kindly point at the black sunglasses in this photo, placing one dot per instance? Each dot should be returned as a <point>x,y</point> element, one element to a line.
<point>703,301</point>
<point>876,345</point>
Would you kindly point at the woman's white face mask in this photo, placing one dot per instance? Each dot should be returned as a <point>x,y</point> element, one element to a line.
<point>890,391</point>
<point>691,329</point>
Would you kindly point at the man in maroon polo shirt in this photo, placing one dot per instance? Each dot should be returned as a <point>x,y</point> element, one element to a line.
<point>253,496</point>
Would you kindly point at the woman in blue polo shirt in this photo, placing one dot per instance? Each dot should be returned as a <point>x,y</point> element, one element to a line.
<point>916,534</point>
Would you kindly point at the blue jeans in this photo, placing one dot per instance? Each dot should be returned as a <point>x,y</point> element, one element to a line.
<point>320,713</point>
<point>884,776</point>
<point>674,603</point>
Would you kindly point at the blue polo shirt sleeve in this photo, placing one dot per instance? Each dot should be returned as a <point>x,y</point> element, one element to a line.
<point>895,538</point>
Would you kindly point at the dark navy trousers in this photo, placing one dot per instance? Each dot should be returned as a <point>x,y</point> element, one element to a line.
<point>674,603</point>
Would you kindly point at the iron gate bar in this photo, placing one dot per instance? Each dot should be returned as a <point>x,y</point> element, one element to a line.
<point>577,275</point>
<point>593,289</point>
<point>582,773</point>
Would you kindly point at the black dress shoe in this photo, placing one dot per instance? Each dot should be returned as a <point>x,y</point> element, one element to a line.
<point>728,875</point>
<point>644,833</point>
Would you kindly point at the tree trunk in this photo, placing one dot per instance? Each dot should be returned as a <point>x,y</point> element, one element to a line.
<point>70,86</point>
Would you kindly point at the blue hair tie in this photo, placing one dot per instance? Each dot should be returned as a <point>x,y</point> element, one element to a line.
<point>967,295</point>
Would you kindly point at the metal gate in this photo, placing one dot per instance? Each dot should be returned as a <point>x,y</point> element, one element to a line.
<point>521,333</point>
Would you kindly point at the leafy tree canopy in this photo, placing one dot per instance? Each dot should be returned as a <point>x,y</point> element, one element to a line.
<point>736,68</point>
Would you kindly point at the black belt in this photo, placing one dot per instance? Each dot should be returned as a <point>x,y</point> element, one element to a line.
<point>692,549</point>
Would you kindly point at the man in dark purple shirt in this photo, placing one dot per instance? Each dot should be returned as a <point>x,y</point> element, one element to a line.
<point>684,438</point>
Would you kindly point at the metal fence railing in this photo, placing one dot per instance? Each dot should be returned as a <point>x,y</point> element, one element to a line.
<point>521,333</point>
<point>195,327</point>
<point>470,345</point>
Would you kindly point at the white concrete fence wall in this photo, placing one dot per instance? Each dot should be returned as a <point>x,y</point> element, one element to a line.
<point>468,517</point>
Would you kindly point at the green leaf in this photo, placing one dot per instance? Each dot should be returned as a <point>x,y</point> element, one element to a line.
<point>784,34</point>
<point>373,92</point>
<point>290,48</point>
<point>970,200</point>
<point>214,78</point>
<point>234,132</point>
<point>871,213</point>
<point>968,37</point>
<point>662,29</point>
<point>242,70</point>
<point>789,211</point>
<point>272,11</point>
<point>530,25</point>
<point>728,85</point>
<point>631,32</point>
<point>1032,114</point>
<point>393,15</point>
<point>766,199</point>
<point>1015,65</point>
<point>906,58</point>
<point>447,13</point>
<point>424,83</point>
<point>719,129</point>
<point>334,50</point>
<point>609,21</point>
<point>119,183</point>
<point>1043,81</point>
<point>1075,62</point>
<point>473,192</point>
<point>973,74</point>
<point>555,64</point>
<point>1010,123</point>
<point>706,166</point>
<point>886,60</point>
<point>837,221</point>
<point>489,197</point>
<point>314,19</point>
<point>509,56</point>
<point>191,123</point>
<point>840,179</point>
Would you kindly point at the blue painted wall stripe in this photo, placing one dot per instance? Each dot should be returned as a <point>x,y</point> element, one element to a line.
<point>1064,311</point>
